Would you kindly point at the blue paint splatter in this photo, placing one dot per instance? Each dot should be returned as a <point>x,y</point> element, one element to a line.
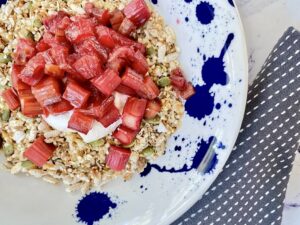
<point>221,146</point>
<point>218,106</point>
<point>203,146</point>
<point>154,2</point>
<point>230,105</point>
<point>93,207</point>
<point>177,148</point>
<point>213,72</point>
<point>231,2</point>
<point>187,19</point>
<point>188,1</point>
<point>205,13</point>
<point>202,98</point>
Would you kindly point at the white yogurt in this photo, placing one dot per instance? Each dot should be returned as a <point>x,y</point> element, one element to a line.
<point>60,122</point>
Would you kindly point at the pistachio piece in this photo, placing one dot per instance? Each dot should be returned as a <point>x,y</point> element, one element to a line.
<point>5,115</point>
<point>150,51</point>
<point>37,23</point>
<point>8,150</point>
<point>130,145</point>
<point>148,152</point>
<point>154,121</point>
<point>164,82</point>
<point>98,143</point>
<point>5,58</point>
<point>28,165</point>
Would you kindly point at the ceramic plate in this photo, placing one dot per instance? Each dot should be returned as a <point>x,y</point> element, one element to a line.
<point>213,55</point>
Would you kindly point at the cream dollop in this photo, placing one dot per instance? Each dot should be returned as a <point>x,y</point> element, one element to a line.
<point>60,122</point>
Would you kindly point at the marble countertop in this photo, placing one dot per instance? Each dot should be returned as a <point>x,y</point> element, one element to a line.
<point>264,23</point>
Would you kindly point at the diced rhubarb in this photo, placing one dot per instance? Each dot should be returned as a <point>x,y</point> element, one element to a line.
<point>177,79</point>
<point>107,82</point>
<point>116,19</point>
<point>188,92</point>
<point>103,16</point>
<point>117,158</point>
<point>132,79</point>
<point>29,105</point>
<point>88,66</point>
<point>140,64</point>
<point>72,58</point>
<point>88,8</point>
<point>47,57</point>
<point>17,84</point>
<point>152,109</point>
<point>127,27</point>
<point>181,86</point>
<point>46,113</point>
<point>133,113</point>
<point>60,55</point>
<point>110,117</point>
<point>149,90</point>
<point>11,99</point>
<point>122,40</point>
<point>39,152</point>
<point>34,70</point>
<point>138,12</point>
<point>56,21</point>
<point>54,71</point>
<point>98,110</point>
<point>110,38</point>
<point>25,50</point>
<point>125,135</point>
<point>64,23</point>
<point>47,91</point>
<point>80,122</point>
<point>135,106</point>
<point>60,107</point>
<point>120,57</point>
<point>56,40</point>
<point>42,46</point>
<point>76,95</point>
<point>92,47</point>
<point>79,30</point>
<point>126,90</point>
<point>105,37</point>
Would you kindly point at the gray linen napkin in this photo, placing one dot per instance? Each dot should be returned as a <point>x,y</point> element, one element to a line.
<point>252,186</point>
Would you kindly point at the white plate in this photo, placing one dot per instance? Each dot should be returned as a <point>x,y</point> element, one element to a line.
<point>213,55</point>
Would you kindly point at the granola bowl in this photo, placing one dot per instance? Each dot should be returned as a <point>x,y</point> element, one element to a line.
<point>116,111</point>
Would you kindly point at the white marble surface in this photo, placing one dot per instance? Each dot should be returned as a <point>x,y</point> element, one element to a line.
<point>264,23</point>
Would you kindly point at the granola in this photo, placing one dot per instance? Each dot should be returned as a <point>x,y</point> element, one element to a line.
<point>78,165</point>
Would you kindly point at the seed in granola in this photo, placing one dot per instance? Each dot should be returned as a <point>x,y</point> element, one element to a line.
<point>148,152</point>
<point>5,58</point>
<point>154,121</point>
<point>5,115</point>
<point>164,81</point>
<point>29,35</point>
<point>28,165</point>
<point>98,143</point>
<point>130,145</point>
<point>150,51</point>
<point>37,23</point>
<point>8,150</point>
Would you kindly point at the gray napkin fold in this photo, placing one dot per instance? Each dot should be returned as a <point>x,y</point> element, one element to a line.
<point>252,187</point>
